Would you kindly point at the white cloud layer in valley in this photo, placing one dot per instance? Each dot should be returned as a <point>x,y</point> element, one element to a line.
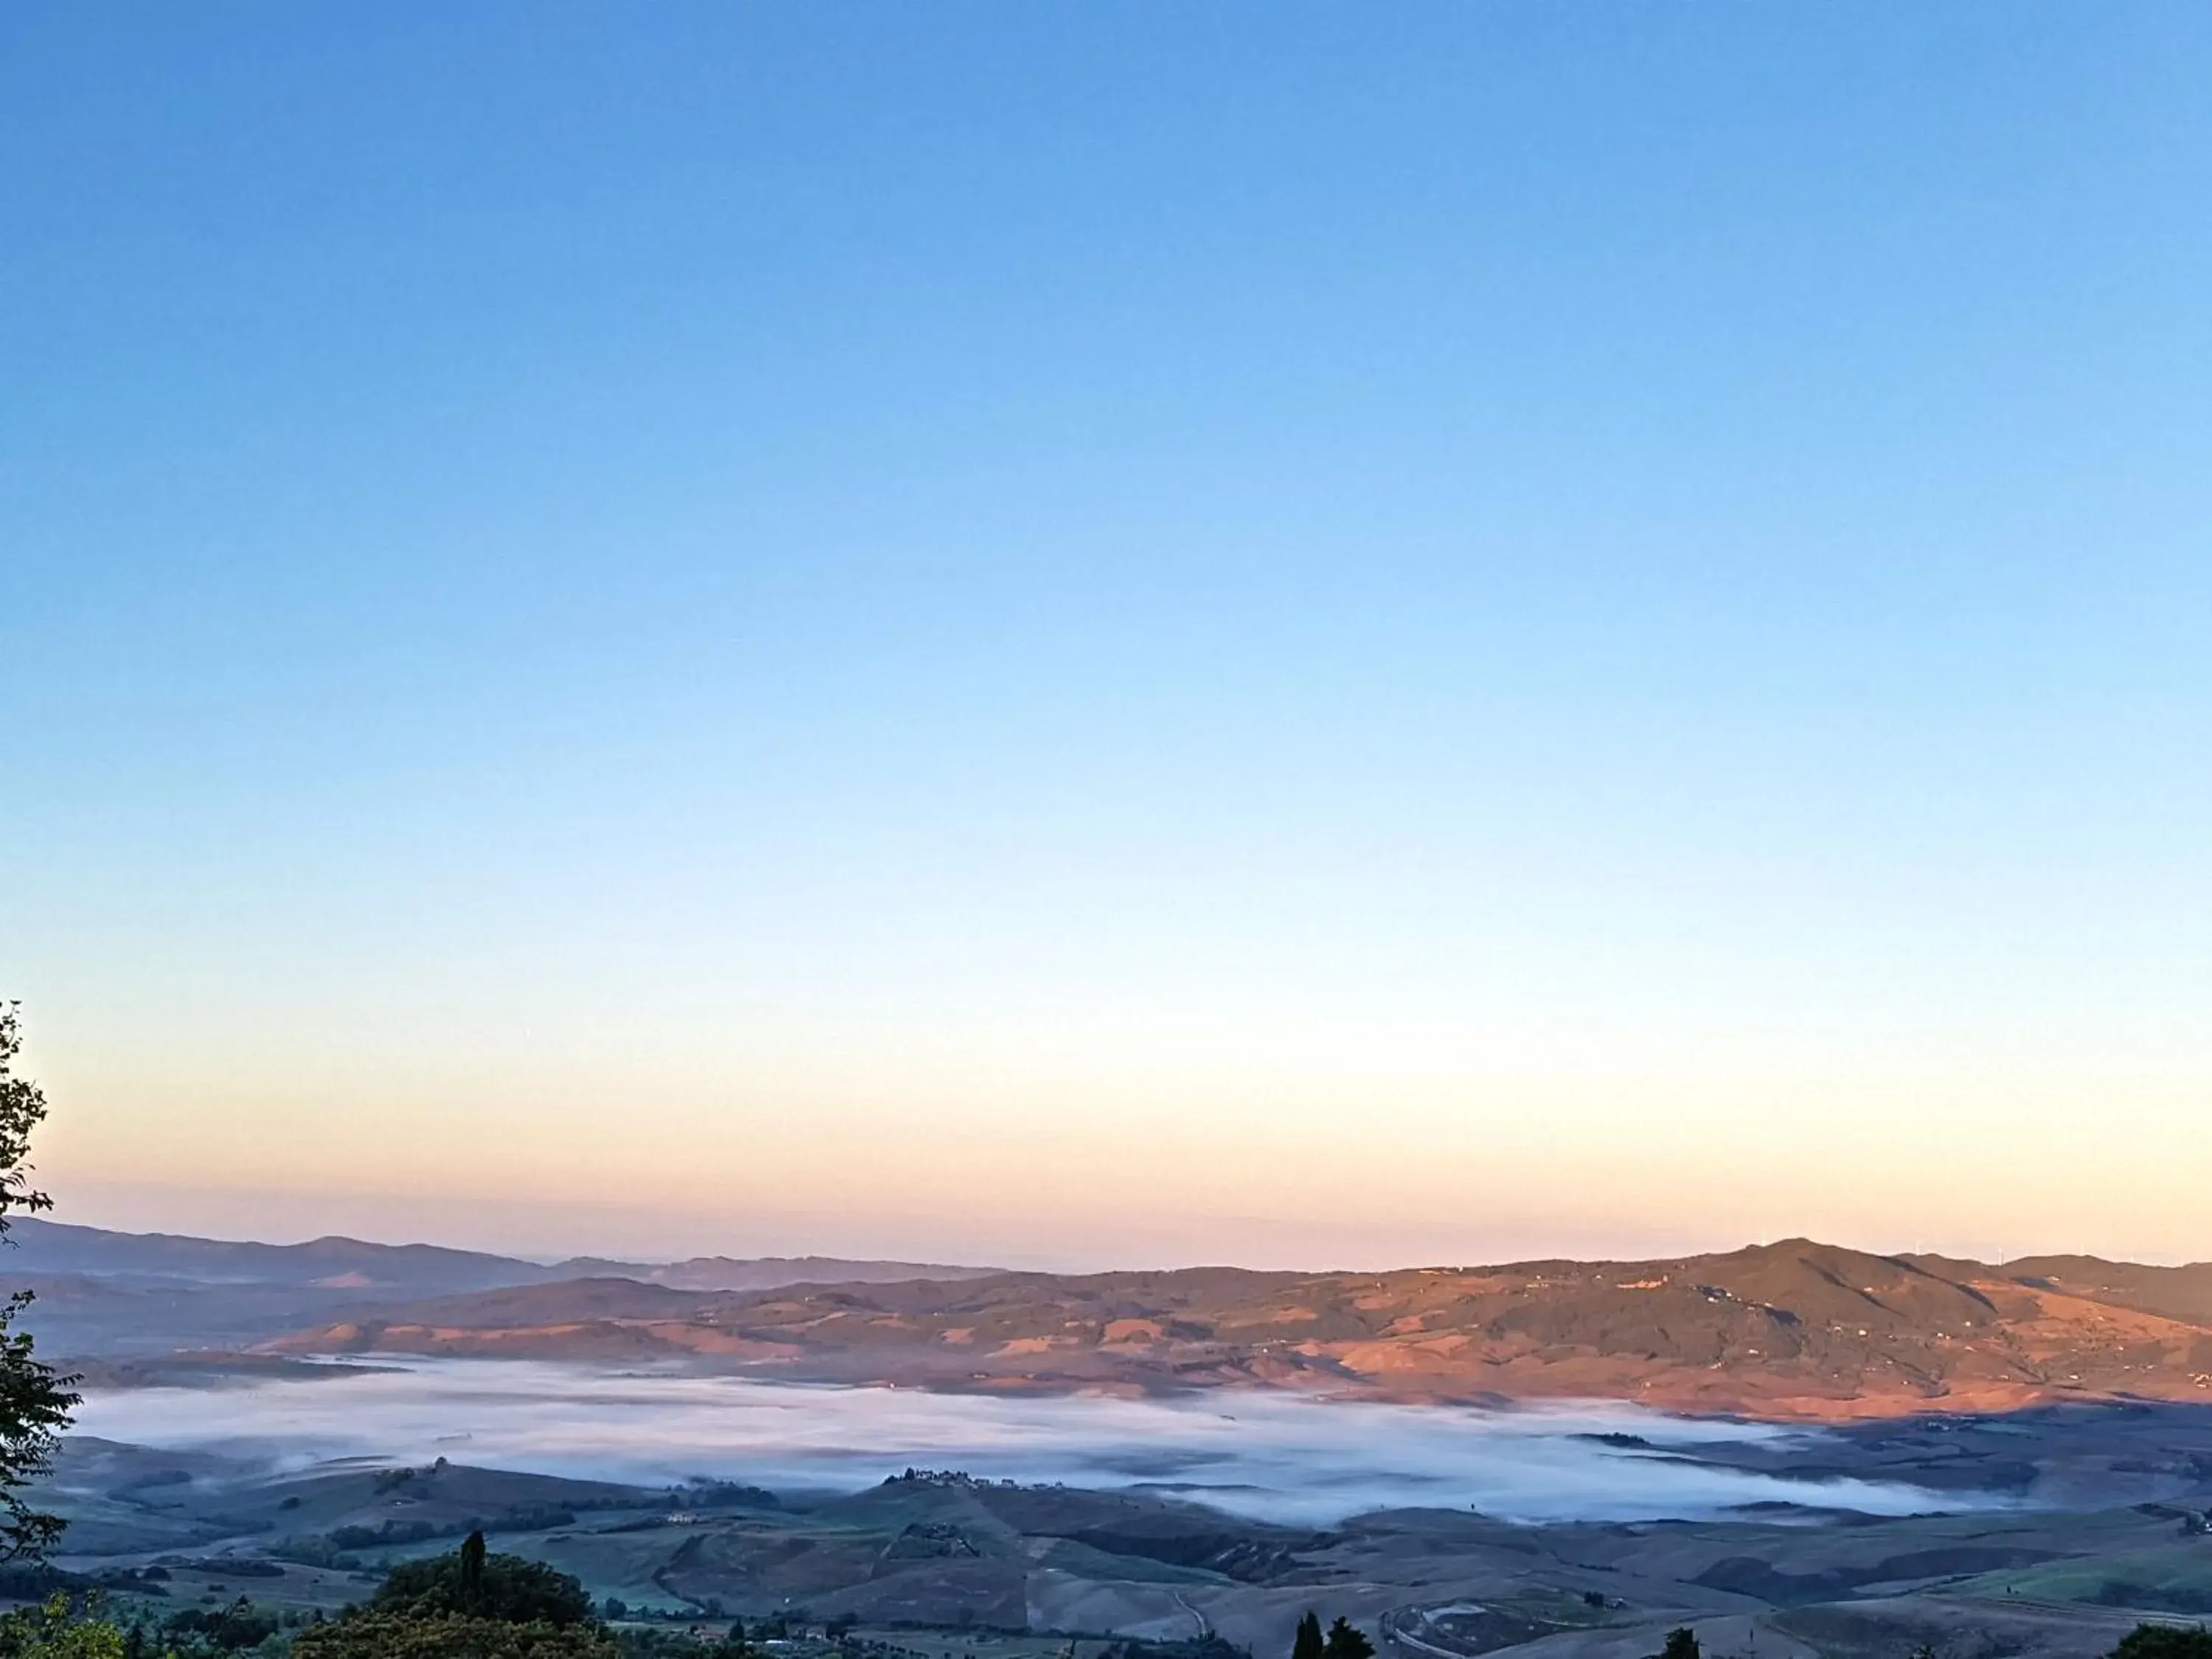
<point>1274,1456</point>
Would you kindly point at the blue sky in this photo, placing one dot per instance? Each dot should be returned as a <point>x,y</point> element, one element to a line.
<point>1080,633</point>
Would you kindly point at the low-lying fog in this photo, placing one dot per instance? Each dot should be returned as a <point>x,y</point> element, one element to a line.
<point>1273,1456</point>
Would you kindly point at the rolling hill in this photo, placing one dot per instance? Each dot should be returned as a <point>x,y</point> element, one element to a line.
<point>1791,1330</point>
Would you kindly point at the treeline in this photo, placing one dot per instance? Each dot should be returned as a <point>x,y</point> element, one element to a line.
<point>1345,1640</point>
<point>339,1549</point>
<point>336,1548</point>
<point>474,1604</point>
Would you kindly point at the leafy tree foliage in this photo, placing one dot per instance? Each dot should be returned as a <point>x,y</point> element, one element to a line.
<point>1208,1646</point>
<point>1681,1643</point>
<point>2165,1642</point>
<point>470,1604</point>
<point>34,1403</point>
<point>51,1631</point>
<point>1308,1643</point>
<point>222,1630</point>
<point>1348,1641</point>
<point>366,1632</point>
<point>22,1109</point>
<point>473,1583</point>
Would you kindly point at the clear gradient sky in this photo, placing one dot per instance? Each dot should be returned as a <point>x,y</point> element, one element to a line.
<point>1112,634</point>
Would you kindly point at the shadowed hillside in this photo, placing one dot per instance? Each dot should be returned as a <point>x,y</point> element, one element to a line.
<point>108,1295</point>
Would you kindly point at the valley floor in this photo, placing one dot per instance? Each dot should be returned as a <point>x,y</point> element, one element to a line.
<point>2103,1527</point>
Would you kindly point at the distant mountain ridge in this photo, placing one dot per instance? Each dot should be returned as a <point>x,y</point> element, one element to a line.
<point>1792,1330</point>
<point>108,1295</point>
<point>55,1246</point>
<point>723,1273</point>
<point>351,1264</point>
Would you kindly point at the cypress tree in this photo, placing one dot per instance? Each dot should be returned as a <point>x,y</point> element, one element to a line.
<point>472,1572</point>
